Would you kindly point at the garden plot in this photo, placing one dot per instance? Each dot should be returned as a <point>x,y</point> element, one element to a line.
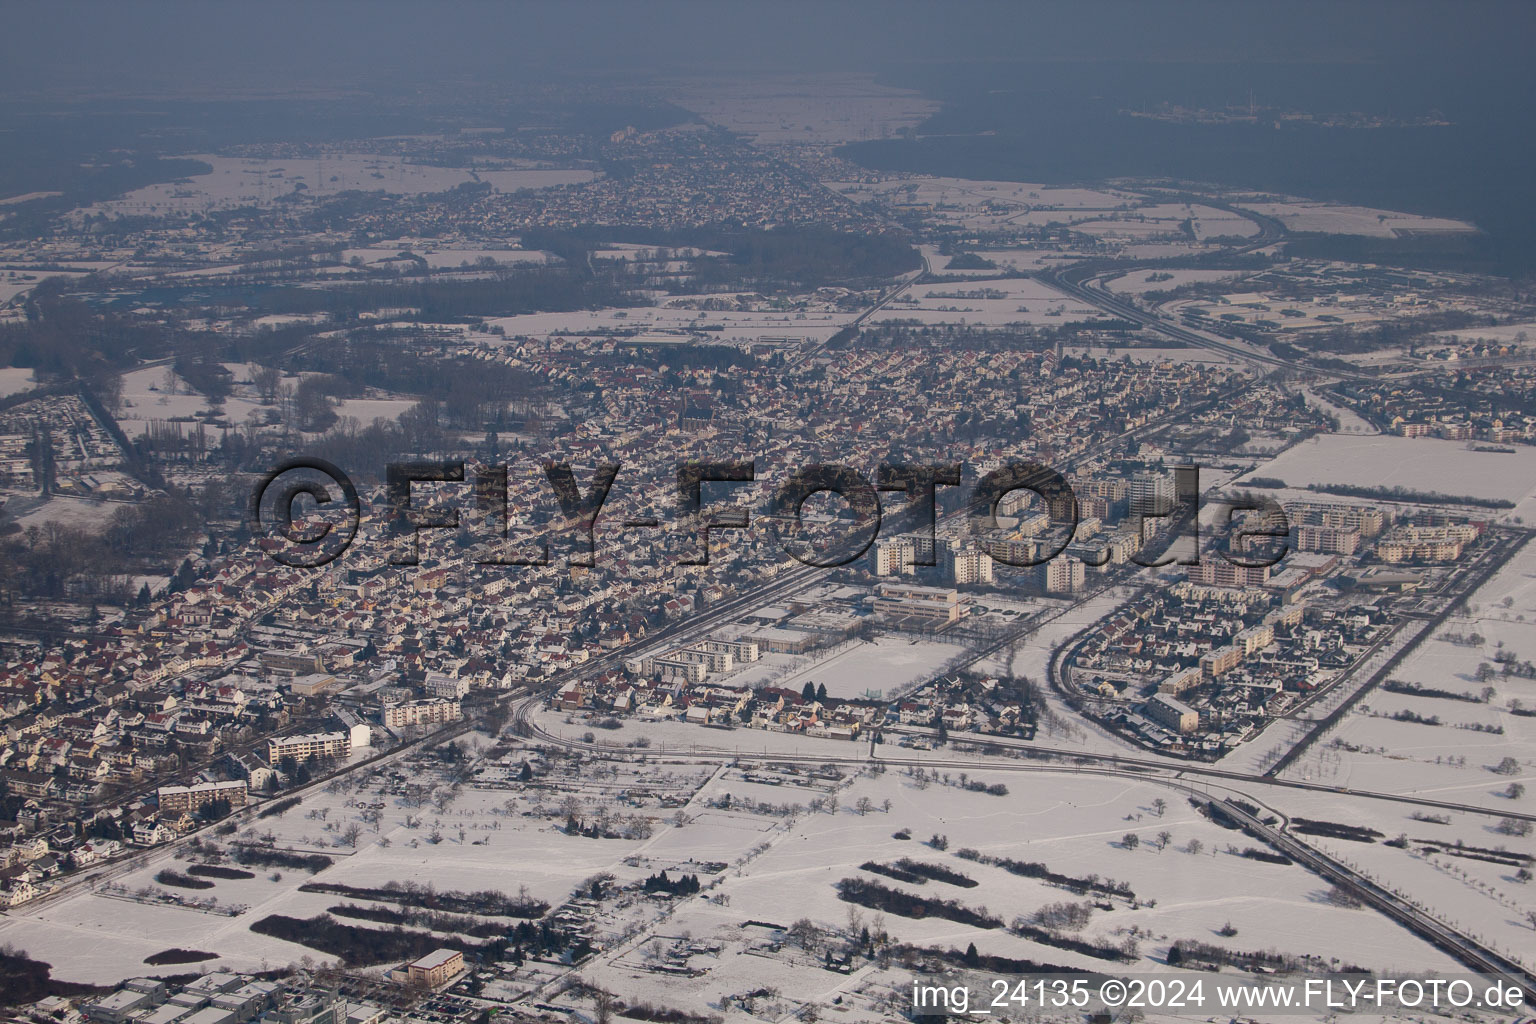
<point>1210,222</point>
<point>1129,226</point>
<point>1029,261</point>
<point>1073,824</point>
<point>376,828</point>
<point>637,252</point>
<point>1155,249</point>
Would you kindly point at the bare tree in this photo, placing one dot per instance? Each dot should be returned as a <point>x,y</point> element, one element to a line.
<point>1341,897</point>
<point>805,934</point>
<point>109,391</point>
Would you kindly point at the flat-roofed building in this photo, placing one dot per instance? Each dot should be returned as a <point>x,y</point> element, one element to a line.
<point>1172,713</point>
<point>894,557</point>
<point>446,687</point>
<point>422,712</point>
<point>1181,682</point>
<point>312,1007</point>
<point>169,1013</point>
<point>1255,638</point>
<point>675,668</point>
<point>178,800</point>
<point>969,565</point>
<point>743,651</point>
<point>117,1007</point>
<point>435,969</point>
<point>901,600</point>
<point>314,684</point>
<point>783,641</point>
<point>1218,572</point>
<point>1062,576</point>
<point>306,745</point>
<point>1331,540</point>
<point>1220,661</point>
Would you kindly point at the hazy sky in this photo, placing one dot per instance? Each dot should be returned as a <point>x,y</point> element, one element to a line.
<point>274,45</point>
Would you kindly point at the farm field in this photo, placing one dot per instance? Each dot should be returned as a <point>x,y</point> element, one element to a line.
<point>1419,464</point>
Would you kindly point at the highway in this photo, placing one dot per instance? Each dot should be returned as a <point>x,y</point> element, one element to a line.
<point>1437,932</point>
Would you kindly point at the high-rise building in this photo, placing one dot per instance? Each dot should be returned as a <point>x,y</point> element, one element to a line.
<point>1062,575</point>
<point>1151,494</point>
<point>969,565</point>
<point>894,557</point>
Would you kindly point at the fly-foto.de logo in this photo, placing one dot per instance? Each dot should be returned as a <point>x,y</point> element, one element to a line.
<point>315,532</point>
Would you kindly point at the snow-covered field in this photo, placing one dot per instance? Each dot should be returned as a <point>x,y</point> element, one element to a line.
<point>14,379</point>
<point>1340,219</point>
<point>1006,205</point>
<point>1142,280</point>
<point>439,257</point>
<point>1023,301</point>
<point>241,181</point>
<point>82,513</point>
<point>739,327</point>
<point>1485,899</point>
<point>486,834</point>
<point>158,394</point>
<point>1071,823</point>
<point>1420,464</point>
<point>1406,757</point>
<point>483,845</point>
<point>1350,422</point>
<point>366,410</point>
<point>887,665</point>
<point>17,283</point>
<point>1514,332</point>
